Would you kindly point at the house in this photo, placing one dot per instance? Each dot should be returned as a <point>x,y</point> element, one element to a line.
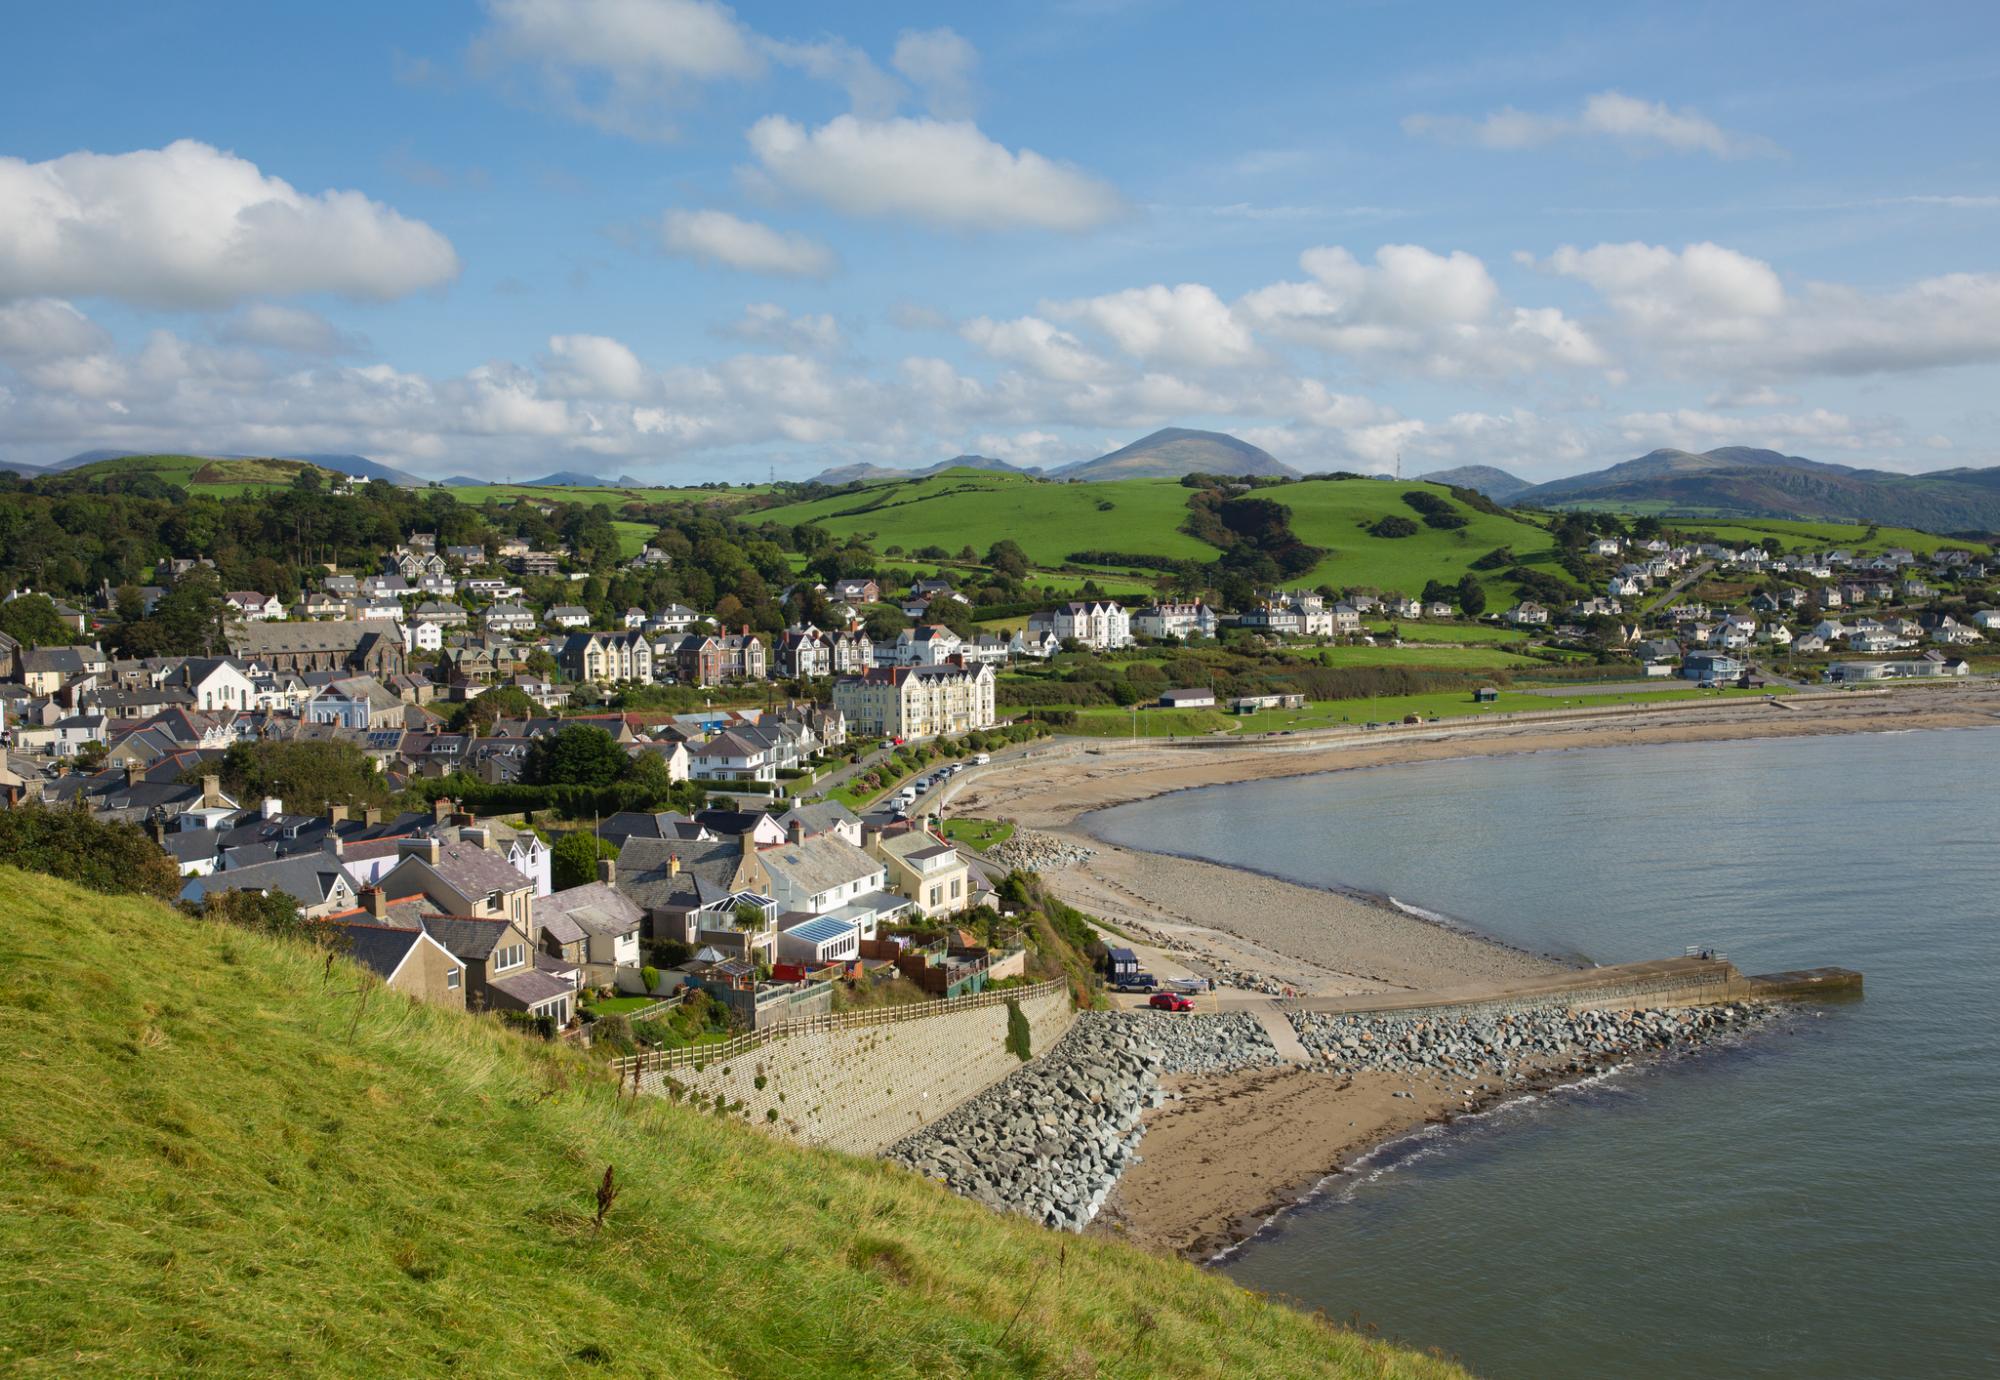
<point>821,874</point>
<point>594,923</point>
<point>607,657</point>
<point>249,605</point>
<point>730,756</point>
<point>1486,694</point>
<point>1711,668</point>
<point>389,938</point>
<point>357,702</point>
<point>823,817</point>
<point>462,878</point>
<point>917,701</point>
<point>365,646</point>
<point>567,616</point>
<point>500,969</point>
<point>1184,621</point>
<point>1952,633</point>
<point>1527,614</point>
<point>932,644</point>
<point>701,892</point>
<point>508,618</point>
<point>861,591</point>
<point>924,868</point>
<point>802,651</point>
<point>1199,698</point>
<point>674,618</point>
<point>315,880</point>
<point>1100,624</point>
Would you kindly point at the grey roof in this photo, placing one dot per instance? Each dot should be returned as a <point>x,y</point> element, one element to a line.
<point>474,871</point>
<point>819,816</point>
<point>819,863</point>
<point>528,989</point>
<point>340,635</point>
<point>381,947</point>
<point>592,908</point>
<point>307,879</point>
<point>464,936</point>
<point>707,872</point>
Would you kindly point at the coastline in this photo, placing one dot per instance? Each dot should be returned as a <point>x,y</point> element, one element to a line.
<point>1195,1193</point>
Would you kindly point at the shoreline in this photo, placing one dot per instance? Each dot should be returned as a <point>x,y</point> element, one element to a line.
<point>1193,1194</point>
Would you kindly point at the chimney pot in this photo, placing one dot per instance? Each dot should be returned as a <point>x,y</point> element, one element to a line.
<point>211,787</point>
<point>372,815</point>
<point>131,772</point>
<point>336,814</point>
<point>376,901</point>
<point>796,831</point>
<point>673,864</point>
<point>607,871</point>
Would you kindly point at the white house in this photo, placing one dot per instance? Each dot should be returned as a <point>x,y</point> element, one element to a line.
<point>729,756</point>
<point>1100,624</point>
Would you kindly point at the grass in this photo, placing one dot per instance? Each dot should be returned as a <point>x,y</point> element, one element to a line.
<point>619,1006</point>
<point>632,537</point>
<point>605,496</point>
<point>1472,657</point>
<point>1414,631</point>
<point>1745,531</point>
<point>979,833</point>
<point>1332,512</point>
<point>261,1166</point>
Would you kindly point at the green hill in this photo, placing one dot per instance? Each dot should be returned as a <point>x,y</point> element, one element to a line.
<point>220,1155</point>
<point>1052,520</point>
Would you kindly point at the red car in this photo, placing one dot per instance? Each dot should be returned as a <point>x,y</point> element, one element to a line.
<point>1169,1001</point>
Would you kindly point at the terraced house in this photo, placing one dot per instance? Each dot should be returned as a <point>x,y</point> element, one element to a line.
<point>917,701</point>
<point>607,657</point>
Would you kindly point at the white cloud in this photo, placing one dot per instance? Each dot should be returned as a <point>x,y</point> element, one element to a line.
<point>1637,124</point>
<point>595,366</point>
<point>191,226</point>
<point>767,323</point>
<point>47,328</point>
<point>871,91</point>
<point>1182,325</point>
<point>941,172</point>
<point>1692,429</point>
<point>1753,395</point>
<point>1028,449</point>
<point>621,65</point>
<point>720,238</point>
<point>1041,346</point>
<point>939,63</point>
<point>1707,308</point>
<point>292,329</point>
<point>1438,313</point>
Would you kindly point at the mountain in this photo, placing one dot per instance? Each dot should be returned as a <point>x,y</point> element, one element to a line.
<point>463,481</point>
<point>1745,481</point>
<point>571,479</point>
<point>848,474</point>
<point>1176,451</point>
<point>1496,484</point>
<point>17,467</point>
<point>359,466</point>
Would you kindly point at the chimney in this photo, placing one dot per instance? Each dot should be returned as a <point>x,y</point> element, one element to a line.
<point>425,848</point>
<point>336,814</point>
<point>211,789</point>
<point>131,773</point>
<point>271,808</point>
<point>796,831</point>
<point>372,815</point>
<point>871,837</point>
<point>673,864</point>
<point>749,837</point>
<point>335,846</point>
<point>376,900</point>
<point>440,809</point>
<point>157,827</point>
<point>607,871</point>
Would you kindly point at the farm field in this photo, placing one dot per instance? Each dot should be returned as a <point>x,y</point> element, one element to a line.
<point>1467,633</point>
<point>1817,534</point>
<point>1333,513</point>
<point>610,495</point>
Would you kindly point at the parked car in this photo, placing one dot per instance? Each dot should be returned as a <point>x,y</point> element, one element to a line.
<point>982,759</point>
<point>1169,1001</point>
<point>1136,982</point>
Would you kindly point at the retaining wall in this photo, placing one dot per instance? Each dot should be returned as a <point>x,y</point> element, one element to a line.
<point>862,1087</point>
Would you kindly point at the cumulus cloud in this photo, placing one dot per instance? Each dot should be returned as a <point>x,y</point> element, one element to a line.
<point>1692,429</point>
<point>767,323</point>
<point>595,366</point>
<point>940,64</point>
<point>720,238</point>
<point>1705,307</point>
<point>46,328</point>
<point>1182,325</point>
<point>871,91</point>
<point>1638,125</point>
<point>1439,313</point>
<point>1041,346</point>
<point>293,329</point>
<point>622,65</point>
<point>942,172</point>
<point>191,226</point>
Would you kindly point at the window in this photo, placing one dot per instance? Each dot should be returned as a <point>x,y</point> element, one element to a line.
<point>451,979</point>
<point>955,885</point>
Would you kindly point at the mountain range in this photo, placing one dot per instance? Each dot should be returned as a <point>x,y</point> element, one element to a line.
<point>1496,484</point>
<point>358,465</point>
<point>1766,483</point>
<point>1166,454</point>
<point>848,474</point>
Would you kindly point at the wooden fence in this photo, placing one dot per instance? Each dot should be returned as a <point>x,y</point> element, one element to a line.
<point>700,1056</point>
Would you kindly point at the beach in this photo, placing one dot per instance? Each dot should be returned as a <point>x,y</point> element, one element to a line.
<point>1228,1151</point>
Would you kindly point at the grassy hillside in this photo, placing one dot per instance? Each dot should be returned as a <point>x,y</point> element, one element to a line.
<point>1052,520</point>
<point>217,1157</point>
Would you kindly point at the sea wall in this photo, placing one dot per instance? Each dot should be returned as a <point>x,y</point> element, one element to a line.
<point>862,1083</point>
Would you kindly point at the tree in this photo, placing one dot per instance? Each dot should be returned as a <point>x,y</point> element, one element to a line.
<point>1007,558</point>
<point>73,844</point>
<point>187,620</point>
<point>1471,596</point>
<point>32,621</point>
<point>307,776</point>
<point>573,860</point>
<point>579,755</point>
<point>501,702</point>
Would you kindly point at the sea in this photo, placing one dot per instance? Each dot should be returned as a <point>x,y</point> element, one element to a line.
<point>1820,1199</point>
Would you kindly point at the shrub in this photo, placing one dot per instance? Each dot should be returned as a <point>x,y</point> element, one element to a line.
<point>73,844</point>
<point>651,977</point>
<point>1393,527</point>
<point>1018,1033</point>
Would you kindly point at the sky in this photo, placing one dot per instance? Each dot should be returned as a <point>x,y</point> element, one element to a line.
<point>688,242</point>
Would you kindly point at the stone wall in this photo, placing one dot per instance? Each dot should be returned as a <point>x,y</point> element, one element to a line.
<point>861,1088</point>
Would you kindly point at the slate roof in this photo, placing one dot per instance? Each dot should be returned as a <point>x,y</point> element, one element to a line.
<point>820,863</point>
<point>592,908</point>
<point>308,879</point>
<point>819,816</point>
<point>465,936</point>
<point>529,989</point>
<point>707,876</point>
<point>474,871</point>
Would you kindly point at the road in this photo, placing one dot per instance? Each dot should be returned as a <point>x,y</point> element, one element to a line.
<point>1677,586</point>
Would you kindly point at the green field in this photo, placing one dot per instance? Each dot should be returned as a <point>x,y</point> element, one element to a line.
<point>1474,657</point>
<point>609,496</point>
<point>1743,532</point>
<point>1466,633</point>
<point>270,1165</point>
<point>1332,512</point>
<point>978,833</point>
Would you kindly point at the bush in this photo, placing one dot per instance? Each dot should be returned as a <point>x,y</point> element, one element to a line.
<point>651,977</point>
<point>1393,527</point>
<point>1445,522</point>
<point>1019,1036</point>
<point>73,844</point>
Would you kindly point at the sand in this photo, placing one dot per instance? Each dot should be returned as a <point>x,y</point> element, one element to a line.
<point>1231,1151</point>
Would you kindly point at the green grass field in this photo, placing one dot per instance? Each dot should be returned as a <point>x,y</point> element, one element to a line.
<point>1332,512</point>
<point>233,1158</point>
<point>609,495</point>
<point>1471,657</point>
<point>979,833</point>
<point>1468,634</point>
<point>1743,532</point>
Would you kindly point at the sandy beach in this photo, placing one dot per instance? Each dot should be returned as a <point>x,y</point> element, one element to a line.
<point>1199,1189</point>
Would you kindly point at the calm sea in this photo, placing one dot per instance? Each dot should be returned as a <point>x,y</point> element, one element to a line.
<point>1823,1200</point>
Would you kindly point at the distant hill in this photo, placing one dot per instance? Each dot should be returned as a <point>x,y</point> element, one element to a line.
<point>464,481</point>
<point>17,467</point>
<point>573,479</point>
<point>1176,451</point>
<point>1496,484</point>
<point>359,466</point>
<point>848,474</point>
<point>1745,481</point>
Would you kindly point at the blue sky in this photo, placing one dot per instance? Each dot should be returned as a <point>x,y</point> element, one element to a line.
<point>681,241</point>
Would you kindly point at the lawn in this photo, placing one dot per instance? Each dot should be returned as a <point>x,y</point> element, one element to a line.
<point>979,833</point>
<point>1483,633</point>
<point>1334,512</point>
<point>273,1166</point>
<point>633,536</point>
<point>621,1006</point>
<point>1475,657</point>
